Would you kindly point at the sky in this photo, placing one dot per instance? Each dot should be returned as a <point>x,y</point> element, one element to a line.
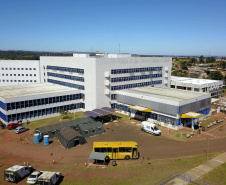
<point>152,27</point>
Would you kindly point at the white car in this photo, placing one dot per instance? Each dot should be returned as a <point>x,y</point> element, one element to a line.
<point>33,178</point>
<point>20,129</point>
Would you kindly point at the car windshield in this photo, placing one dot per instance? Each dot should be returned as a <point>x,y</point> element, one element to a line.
<point>32,176</point>
<point>156,128</point>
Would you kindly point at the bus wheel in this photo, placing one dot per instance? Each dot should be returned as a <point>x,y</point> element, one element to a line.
<point>127,157</point>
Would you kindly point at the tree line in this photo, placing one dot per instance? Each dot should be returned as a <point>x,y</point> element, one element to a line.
<point>28,55</point>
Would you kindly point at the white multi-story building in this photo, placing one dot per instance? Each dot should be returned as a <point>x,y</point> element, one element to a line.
<point>16,72</point>
<point>100,76</point>
<point>102,80</point>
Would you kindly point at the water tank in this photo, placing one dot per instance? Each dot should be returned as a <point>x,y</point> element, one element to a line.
<point>46,140</point>
<point>36,138</point>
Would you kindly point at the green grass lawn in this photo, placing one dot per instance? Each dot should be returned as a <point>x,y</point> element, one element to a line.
<point>126,172</point>
<point>216,176</point>
<point>49,121</point>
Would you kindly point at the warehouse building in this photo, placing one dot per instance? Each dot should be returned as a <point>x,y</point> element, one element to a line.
<point>214,87</point>
<point>168,107</point>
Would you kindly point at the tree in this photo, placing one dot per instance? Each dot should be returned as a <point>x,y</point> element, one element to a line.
<point>184,65</point>
<point>201,59</point>
<point>210,60</point>
<point>216,75</point>
<point>222,64</point>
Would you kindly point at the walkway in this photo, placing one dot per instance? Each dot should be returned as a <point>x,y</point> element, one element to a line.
<point>201,170</point>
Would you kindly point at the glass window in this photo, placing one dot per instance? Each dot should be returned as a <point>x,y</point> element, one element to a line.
<point>97,149</point>
<point>103,149</point>
<point>122,149</point>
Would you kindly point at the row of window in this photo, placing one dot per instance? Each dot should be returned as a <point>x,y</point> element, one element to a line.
<point>66,84</point>
<point>141,77</point>
<point>43,101</point>
<point>135,70</point>
<point>76,78</point>
<point>42,112</point>
<point>18,68</point>
<point>17,74</point>
<point>127,86</point>
<point>154,116</point>
<point>109,149</point>
<point>18,80</point>
<point>75,70</point>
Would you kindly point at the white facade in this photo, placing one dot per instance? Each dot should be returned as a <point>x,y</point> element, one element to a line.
<point>98,72</point>
<point>214,87</point>
<point>16,72</point>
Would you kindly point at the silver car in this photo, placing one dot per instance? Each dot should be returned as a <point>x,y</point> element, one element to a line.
<point>20,129</point>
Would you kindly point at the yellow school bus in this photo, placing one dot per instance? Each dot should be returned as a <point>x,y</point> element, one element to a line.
<point>118,149</point>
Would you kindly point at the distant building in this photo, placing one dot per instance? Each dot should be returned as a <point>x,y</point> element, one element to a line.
<point>214,87</point>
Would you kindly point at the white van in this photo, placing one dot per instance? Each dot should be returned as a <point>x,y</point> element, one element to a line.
<point>150,128</point>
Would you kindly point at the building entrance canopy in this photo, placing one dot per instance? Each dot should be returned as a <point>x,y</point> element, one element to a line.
<point>192,115</point>
<point>139,108</point>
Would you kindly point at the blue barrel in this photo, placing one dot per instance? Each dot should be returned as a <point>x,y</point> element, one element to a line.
<point>36,138</point>
<point>46,140</point>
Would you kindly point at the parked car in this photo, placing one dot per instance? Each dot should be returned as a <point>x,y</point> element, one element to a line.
<point>33,178</point>
<point>13,125</point>
<point>20,129</point>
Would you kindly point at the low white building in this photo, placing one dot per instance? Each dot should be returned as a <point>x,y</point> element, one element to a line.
<point>170,107</point>
<point>37,101</point>
<point>214,87</point>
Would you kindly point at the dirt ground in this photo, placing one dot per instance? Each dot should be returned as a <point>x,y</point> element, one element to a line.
<point>153,147</point>
<point>17,149</point>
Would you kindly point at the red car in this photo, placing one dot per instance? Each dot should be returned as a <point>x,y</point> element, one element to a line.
<point>13,125</point>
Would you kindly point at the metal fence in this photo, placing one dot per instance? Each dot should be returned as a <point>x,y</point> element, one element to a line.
<point>190,179</point>
<point>184,177</point>
<point>168,179</point>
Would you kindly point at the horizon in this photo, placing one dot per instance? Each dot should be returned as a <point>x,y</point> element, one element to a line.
<point>175,28</point>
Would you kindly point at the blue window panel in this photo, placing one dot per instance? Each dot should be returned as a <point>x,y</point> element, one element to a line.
<point>2,105</point>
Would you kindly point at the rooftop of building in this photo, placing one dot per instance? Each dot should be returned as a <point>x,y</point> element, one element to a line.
<point>165,95</point>
<point>195,81</point>
<point>32,89</point>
